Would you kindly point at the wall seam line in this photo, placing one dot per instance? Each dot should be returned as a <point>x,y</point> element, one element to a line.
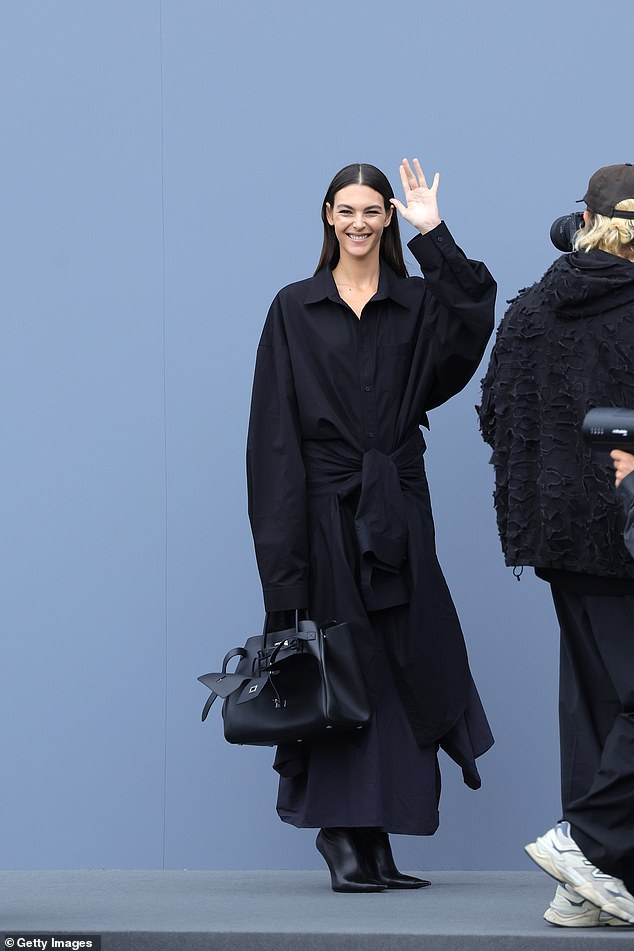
<point>165,470</point>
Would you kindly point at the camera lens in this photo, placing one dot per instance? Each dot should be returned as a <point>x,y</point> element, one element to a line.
<point>563,230</point>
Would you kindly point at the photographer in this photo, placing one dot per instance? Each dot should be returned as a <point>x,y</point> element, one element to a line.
<point>566,345</point>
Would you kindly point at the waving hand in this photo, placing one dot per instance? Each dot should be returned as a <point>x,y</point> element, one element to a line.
<point>421,204</point>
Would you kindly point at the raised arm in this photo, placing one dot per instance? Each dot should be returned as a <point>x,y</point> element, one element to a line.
<point>459,293</point>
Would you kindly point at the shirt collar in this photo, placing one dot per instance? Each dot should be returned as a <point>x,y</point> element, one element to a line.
<point>322,285</point>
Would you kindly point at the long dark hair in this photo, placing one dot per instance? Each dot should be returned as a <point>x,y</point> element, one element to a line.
<point>360,174</point>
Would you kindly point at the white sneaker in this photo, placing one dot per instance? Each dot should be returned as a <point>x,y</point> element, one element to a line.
<point>557,853</point>
<point>569,909</point>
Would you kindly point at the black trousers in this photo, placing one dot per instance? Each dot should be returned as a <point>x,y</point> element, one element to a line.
<point>596,717</point>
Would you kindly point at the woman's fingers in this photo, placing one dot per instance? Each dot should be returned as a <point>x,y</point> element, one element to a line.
<point>421,204</point>
<point>421,177</point>
<point>400,207</point>
<point>409,174</point>
<point>413,179</point>
<point>405,182</point>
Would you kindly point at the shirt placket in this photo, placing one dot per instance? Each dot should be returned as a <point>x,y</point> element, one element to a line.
<point>367,365</point>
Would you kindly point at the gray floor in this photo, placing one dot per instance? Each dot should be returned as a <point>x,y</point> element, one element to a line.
<point>280,911</point>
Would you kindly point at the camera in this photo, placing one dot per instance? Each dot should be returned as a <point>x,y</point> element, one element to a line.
<point>609,427</point>
<point>563,230</point>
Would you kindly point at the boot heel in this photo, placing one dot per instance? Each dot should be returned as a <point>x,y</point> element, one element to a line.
<point>339,853</point>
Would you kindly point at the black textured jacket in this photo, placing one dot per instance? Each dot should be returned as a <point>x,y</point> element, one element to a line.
<point>565,345</point>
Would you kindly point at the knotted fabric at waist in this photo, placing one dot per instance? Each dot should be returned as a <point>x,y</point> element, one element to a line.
<point>335,469</point>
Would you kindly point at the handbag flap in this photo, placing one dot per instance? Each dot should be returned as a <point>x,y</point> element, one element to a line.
<point>253,688</point>
<point>223,684</point>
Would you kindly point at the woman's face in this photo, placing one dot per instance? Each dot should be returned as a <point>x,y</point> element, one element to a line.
<point>359,217</point>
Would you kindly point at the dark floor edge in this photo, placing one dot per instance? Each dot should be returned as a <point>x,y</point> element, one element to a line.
<point>587,940</point>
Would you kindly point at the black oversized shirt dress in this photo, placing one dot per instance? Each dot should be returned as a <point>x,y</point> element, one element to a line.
<point>338,499</point>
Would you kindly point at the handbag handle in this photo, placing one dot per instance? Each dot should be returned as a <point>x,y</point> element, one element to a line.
<point>305,635</point>
<point>266,624</point>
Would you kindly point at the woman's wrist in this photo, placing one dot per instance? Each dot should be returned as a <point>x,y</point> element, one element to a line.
<point>431,226</point>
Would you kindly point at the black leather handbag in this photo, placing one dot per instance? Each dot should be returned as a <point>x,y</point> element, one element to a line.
<point>291,685</point>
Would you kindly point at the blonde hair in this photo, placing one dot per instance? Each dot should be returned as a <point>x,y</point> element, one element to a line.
<point>614,235</point>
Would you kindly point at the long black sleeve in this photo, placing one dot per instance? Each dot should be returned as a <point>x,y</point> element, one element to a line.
<point>460,305</point>
<point>275,473</point>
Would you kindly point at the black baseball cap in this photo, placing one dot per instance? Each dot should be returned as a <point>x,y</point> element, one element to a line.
<point>609,186</point>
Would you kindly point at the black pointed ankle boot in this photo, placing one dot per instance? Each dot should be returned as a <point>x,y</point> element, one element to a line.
<point>338,848</point>
<point>375,854</point>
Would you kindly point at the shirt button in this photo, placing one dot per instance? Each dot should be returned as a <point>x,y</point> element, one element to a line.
<point>371,435</point>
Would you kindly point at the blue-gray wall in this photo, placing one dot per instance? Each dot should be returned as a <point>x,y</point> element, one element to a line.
<point>163,165</point>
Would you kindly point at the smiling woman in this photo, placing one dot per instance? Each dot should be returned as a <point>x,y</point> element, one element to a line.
<point>348,364</point>
<point>365,189</point>
<point>359,219</point>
